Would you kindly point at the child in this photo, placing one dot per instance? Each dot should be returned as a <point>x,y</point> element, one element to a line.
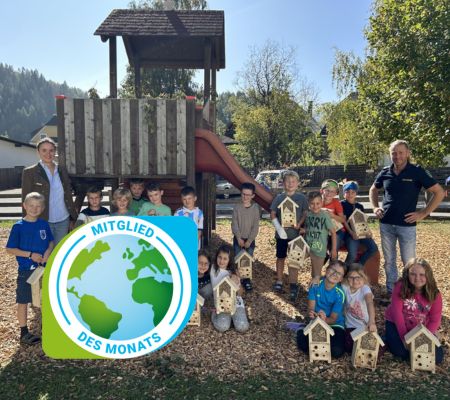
<point>154,207</point>
<point>352,242</point>
<point>245,225</point>
<point>224,266</point>
<point>31,241</point>
<point>329,191</point>
<point>188,198</point>
<point>359,308</point>
<point>318,226</point>
<point>121,200</point>
<point>326,301</point>
<point>136,189</point>
<point>284,235</point>
<point>204,278</point>
<point>415,300</point>
<point>94,210</point>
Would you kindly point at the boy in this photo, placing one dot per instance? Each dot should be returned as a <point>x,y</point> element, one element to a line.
<point>318,226</point>
<point>329,191</point>
<point>188,198</point>
<point>136,189</point>
<point>283,236</point>
<point>31,241</point>
<point>245,225</point>
<point>94,210</point>
<point>352,243</point>
<point>154,207</point>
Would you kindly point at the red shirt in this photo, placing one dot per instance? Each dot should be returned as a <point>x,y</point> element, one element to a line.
<point>336,207</point>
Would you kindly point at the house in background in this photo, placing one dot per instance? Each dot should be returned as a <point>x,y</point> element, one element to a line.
<point>49,129</point>
<point>16,154</point>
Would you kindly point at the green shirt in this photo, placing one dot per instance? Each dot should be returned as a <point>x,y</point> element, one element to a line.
<point>160,211</point>
<point>317,227</point>
<point>136,205</point>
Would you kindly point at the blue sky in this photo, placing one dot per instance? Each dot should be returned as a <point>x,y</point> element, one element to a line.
<point>56,37</point>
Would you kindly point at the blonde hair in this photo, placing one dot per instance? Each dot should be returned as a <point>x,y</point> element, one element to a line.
<point>359,269</point>
<point>119,193</point>
<point>34,196</point>
<point>429,291</point>
<point>398,143</point>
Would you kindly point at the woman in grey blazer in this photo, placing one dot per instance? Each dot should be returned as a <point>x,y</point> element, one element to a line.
<point>53,182</point>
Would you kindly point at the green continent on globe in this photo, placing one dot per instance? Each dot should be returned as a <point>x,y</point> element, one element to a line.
<point>101,320</point>
<point>87,257</point>
<point>148,259</point>
<point>157,294</point>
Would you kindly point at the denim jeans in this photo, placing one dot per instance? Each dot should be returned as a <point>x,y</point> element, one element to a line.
<point>59,229</point>
<point>398,349</point>
<point>352,248</point>
<point>237,249</point>
<point>406,236</point>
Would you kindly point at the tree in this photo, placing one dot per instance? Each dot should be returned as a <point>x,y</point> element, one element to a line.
<point>403,89</point>
<point>165,82</point>
<point>271,127</point>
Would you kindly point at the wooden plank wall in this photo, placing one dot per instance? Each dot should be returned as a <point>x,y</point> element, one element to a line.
<point>127,137</point>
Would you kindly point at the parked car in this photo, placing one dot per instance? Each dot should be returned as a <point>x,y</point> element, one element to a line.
<point>226,189</point>
<point>271,179</point>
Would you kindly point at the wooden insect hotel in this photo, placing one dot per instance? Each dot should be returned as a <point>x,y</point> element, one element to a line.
<point>365,348</point>
<point>196,315</point>
<point>422,346</point>
<point>35,281</point>
<point>358,223</point>
<point>225,296</point>
<point>288,212</point>
<point>244,262</point>
<point>318,332</point>
<point>298,251</point>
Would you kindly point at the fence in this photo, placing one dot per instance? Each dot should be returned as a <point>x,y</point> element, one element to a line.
<point>10,178</point>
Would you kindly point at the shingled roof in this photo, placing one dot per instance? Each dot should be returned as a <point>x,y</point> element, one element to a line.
<point>169,39</point>
<point>162,23</point>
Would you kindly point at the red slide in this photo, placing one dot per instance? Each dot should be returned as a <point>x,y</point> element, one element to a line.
<point>212,156</point>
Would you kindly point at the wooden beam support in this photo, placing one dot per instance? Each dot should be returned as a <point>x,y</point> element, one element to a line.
<point>113,67</point>
<point>207,71</point>
<point>137,78</point>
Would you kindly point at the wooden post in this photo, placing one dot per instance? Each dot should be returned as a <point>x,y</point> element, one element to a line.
<point>113,67</point>
<point>137,78</point>
<point>207,74</point>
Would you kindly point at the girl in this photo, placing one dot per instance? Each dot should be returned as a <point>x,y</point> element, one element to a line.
<point>224,266</point>
<point>326,301</point>
<point>121,200</point>
<point>359,308</point>
<point>415,299</point>
<point>204,278</point>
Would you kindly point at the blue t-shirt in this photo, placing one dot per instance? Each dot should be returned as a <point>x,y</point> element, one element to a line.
<point>29,236</point>
<point>329,301</point>
<point>349,208</point>
<point>401,192</point>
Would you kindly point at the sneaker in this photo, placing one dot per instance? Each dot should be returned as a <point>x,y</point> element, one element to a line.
<point>247,284</point>
<point>277,287</point>
<point>294,289</point>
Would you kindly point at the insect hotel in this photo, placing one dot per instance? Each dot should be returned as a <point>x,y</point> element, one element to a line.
<point>365,348</point>
<point>298,251</point>
<point>288,212</point>
<point>244,262</point>
<point>422,346</point>
<point>318,332</point>
<point>225,296</point>
<point>358,223</point>
<point>196,315</point>
<point>35,281</point>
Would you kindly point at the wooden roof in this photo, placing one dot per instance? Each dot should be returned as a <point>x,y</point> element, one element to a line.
<point>168,38</point>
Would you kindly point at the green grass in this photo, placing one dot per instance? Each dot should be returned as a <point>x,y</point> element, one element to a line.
<point>68,380</point>
<point>7,224</point>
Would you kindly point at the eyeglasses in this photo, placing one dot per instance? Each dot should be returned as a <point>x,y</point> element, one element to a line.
<point>335,272</point>
<point>246,194</point>
<point>354,278</point>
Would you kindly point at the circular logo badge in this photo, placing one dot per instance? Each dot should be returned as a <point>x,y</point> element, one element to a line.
<point>123,287</point>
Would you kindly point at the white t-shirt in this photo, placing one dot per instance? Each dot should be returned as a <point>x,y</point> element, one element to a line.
<point>356,314</point>
<point>221,273</point>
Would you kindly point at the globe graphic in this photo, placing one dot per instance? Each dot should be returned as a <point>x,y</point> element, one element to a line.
<point>119,287</point>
